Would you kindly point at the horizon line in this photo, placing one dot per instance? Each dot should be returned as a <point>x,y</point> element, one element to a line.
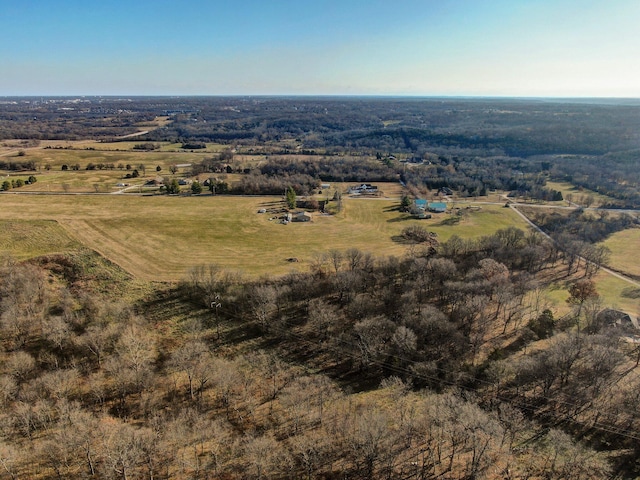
<point>322,95</point>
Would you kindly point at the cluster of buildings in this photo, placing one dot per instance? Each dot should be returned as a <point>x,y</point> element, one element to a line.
<point>365,188</point>
<point>434,207</point>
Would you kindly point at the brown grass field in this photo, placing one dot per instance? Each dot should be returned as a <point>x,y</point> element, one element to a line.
<point>161,237</point>
<point>578,194</point>
<point>625,251</point>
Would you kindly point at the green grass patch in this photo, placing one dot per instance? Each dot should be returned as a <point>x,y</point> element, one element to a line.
<point>614,293</point>
<point>23,239</point>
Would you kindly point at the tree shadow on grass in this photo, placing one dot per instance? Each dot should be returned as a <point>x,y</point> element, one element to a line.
<point>272,203</point>
<point>448,222</point>
<point>402,240</point>
<point>402,218</point>
<point>395,208</point>
<point>631,292</point>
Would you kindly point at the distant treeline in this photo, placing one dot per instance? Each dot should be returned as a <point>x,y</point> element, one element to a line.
<point>615,174</point>
<point>18,166</point>
<point>485,127</point>
<point>480,144</point>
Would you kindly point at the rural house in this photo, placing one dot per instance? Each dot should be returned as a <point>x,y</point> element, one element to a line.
<point>420,204</point>
<point>437,207</point>
<point>363,188</point>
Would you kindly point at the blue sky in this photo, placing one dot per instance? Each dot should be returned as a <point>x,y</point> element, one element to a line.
<point>326,47</point>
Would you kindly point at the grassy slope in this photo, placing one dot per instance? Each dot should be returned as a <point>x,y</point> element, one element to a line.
<point>617,293</point>
<point>625,247</point>
<point>24,240</point>
<point>159,238</point>
<point>567,188</point>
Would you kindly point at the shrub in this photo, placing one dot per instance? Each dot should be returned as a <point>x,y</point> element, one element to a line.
<point>417,234</point>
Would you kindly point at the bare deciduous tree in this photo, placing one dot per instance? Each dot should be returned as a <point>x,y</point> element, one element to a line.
<point>194,360</point>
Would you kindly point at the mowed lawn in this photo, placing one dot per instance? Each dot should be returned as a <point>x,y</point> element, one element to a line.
<point>161,237</point>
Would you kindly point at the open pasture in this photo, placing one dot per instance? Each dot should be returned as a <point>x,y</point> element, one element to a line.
<point>52,178</point>
<point>625,246</point>
<point>161,237</point>
<point>56,157</point>
<point>617,293</point>
<point>579,196</point>
<point>26,239</point>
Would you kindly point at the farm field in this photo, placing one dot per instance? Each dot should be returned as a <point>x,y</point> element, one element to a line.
<point>26,239</point>
<point>51,178</point>
<point>50,157</point>
<point>161,237</point>
<point>624,247</point>
<point>618,294</point>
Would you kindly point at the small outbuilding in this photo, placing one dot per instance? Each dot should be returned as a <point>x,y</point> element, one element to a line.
<point>616,318</point>
<point>437,207</point>
<point>301,217</point>
<point>420,203</point>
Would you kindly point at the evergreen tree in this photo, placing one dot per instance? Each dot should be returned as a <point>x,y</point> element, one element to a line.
<point>291,198</point>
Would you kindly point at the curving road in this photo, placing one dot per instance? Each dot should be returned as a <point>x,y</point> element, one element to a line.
<point>539,230</point>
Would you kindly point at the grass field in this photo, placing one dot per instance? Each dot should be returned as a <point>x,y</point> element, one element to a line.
<point>625,250</point>
<point>617,293</point>
<point>56,180</point>
<point>51,178</point>
<point>613,292</point>
<point>578,195</point>
<point>161,237</point>
<point>27,239</point>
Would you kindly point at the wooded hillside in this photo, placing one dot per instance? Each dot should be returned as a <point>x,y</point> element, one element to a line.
<point>444,364</point>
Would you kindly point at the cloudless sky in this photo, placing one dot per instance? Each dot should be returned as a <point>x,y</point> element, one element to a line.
<point>566,48</point>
